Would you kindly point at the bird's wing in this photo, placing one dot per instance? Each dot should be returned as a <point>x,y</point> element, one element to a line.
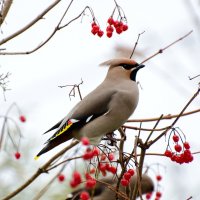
<point>91,107</point>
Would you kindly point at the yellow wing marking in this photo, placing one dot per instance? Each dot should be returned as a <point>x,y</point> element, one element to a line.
<point>62,131</point>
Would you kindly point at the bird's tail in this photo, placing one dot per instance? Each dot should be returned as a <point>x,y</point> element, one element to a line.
<point>53,143</point>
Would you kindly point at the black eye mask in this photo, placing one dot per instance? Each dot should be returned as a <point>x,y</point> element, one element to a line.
<point>128,67</point>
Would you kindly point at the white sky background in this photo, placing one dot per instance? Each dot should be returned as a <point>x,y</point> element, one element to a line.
<point>74,53</point>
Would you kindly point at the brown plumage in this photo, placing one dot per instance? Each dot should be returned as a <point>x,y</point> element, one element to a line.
<point>103,110</point>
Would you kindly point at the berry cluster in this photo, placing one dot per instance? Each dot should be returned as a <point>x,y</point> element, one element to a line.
<point>76,179</point>
<point>127,177</point>
<point>90,153</point>
<point>96,29</point>
<point>182,152</point>
<point>118,26</point>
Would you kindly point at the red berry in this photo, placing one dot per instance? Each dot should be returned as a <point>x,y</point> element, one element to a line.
<point>84,195</point>
<point>92,171</point>
<point>22,118</point>
<point>168,153</point>
<point>148,195</point>
<point>127,176</point>
<point>131,171</point>
<point>73,183</point>
<point>85,141</point>
<point>175,138</point>
<point>61,178</point>
<point>159,177</point>
<point>87,176</point>
<point>103,157</point>
<point>95,151</point>
<point>102,167</point>
<point>96,28</point>
<point>119,30</point>
<point>124,182</point>
<point>158,194</point>
<point>113,169</point>
<point>186,145</point>
<point>116,24</point>
<point>100,33</point>
<point>77,177</point>
<point>93,24</point>
<point>124,27</point>
<point>109,28</point>
<point>110,21</point>
<point>93,32</point>
<point>111,156</point>
<point>90,183</point>
<point>17,155</point>
<point>109,34</point>
<point>178,148</point>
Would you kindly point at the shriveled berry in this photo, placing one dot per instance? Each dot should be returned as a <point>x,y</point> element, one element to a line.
<point>17,155</point>
<point>22,118</point>
<point>186,145</point>
<point>61,178</point>
<point>84,195</point>
<point>124,182</point>
<point>93,32</point>
<point>92,171</point>
<point>175,138</point>
<point>178,148</point>
<point>85,141</point>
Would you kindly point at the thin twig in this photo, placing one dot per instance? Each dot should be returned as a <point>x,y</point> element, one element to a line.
<point>40,16</point>
<point>40,171</point>
<point>163,49</point>
<point>136,43</point>
<point>165,117</point>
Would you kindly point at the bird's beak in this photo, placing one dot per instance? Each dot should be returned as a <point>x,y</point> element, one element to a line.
<point>140,66</point>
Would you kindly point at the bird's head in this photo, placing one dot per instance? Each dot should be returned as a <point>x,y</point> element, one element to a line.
<point>130,66</point>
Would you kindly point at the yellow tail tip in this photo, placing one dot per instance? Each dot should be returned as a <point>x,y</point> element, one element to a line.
<point>36,157</point>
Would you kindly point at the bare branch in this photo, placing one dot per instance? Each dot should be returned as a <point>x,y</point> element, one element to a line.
<point>163,49</point>
<point>40,171</point>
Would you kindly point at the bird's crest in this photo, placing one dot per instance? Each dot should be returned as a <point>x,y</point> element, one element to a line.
<point>119,61</point>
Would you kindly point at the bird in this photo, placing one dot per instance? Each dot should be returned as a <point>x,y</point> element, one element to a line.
<point>103,110</point>
<point>102,192</point>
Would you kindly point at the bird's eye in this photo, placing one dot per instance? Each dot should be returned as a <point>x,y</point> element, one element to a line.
<point>128,67</point>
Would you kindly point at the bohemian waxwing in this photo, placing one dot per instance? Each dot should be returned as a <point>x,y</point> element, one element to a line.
<point>101,192</point>
<point>103,110</point>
